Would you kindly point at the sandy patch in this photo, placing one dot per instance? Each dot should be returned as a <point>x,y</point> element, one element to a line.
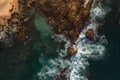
<point>6,7</point>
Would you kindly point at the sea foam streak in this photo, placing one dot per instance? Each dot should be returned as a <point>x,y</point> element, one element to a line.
<point>51,69</point>
<point>86,48</point>
<point>76,66</point>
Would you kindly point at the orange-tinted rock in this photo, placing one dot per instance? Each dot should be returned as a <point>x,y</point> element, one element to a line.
<point>72,51</point>
<point>90,34</point>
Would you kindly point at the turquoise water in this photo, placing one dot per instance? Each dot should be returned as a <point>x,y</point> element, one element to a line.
<point>45,47</point>
<point>24,62</point>
<point>52,61</point>
<point>42,58</point>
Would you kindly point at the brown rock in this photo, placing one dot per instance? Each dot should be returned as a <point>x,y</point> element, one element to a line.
<point>72,51</point>
<point>66,16</point>
<point>90,34</point>
<point>62,74</point>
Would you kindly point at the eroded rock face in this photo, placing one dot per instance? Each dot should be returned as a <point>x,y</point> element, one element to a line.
<point>67,16</point>
<point>90,34</point>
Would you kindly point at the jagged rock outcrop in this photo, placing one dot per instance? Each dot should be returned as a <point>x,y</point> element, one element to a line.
<point>72,51</point>
<point>90,34</point>
<point>67,16</point>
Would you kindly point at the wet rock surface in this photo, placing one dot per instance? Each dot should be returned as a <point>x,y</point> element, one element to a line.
<point>68,17</point>
<point>90,34</point>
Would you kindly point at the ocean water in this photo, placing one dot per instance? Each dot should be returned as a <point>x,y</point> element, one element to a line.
<point>53,58</point>
<point>109,67</point>
<point>87,50</point>
<point>48,52</point>
<point>104,65</point>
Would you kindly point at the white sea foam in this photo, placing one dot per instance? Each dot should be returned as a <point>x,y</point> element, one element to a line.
<point>51,70</point>
<point>86,2</point>
<point>51,67</point>
<point>62,38</point>
<point>87,49</point>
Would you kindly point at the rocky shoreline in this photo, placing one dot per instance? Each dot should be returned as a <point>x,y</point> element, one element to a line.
<point>68,17</point>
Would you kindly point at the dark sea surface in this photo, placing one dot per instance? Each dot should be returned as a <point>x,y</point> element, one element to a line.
<point>109,67</point>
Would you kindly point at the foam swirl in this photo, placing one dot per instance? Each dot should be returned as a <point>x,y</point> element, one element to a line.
<point>87,49</point>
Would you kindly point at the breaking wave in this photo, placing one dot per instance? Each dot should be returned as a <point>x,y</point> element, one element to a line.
<point>87,49</point>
